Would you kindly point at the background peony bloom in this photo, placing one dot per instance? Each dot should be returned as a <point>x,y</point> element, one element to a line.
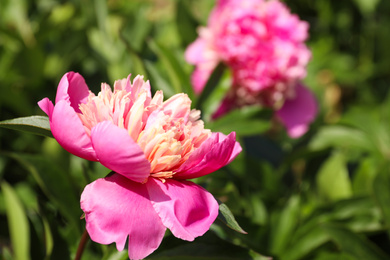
<point>153,146</point>
<point>263,44</point>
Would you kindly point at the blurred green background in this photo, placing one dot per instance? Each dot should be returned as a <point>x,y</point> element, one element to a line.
<point>323,196</point>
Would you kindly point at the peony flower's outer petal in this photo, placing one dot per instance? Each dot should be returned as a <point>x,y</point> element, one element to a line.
<point>217,151</point>
<point>188,211</point>
<point>47,106</point>
<point>194,51</point>
<point>69,132</point>
<point>115,208</point>
<point>116,150</point>
<point>73,89</point>
<point>296,114</point>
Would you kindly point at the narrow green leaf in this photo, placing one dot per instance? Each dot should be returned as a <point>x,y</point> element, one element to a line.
<point>306,244</point>
<point>382,195</point>
<point>332,180</point>
<point>211,84</point>
<point>179,78</point>
<point>286,224</point>
<point>158,82</point>
<point>38,125</point>
<point>186,23</point>
<point>226,216</point>
<point>340,136</point>
<point>55,182</point>
<point>17,223</point>
<point>206,247</point>
<point>354,244</point>
<point>245,121</point>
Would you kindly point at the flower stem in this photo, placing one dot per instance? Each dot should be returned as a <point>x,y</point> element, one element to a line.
<point>83,242</point>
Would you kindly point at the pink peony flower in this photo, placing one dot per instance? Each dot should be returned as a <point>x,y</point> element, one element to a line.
<point>263,44</point>
<point>153,146</point>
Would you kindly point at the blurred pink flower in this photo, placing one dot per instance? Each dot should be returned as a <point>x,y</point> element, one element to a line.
<point>263,45</point>
<point>153,146</point>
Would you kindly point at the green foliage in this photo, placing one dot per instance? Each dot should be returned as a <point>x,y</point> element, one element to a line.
<point>323,196</point>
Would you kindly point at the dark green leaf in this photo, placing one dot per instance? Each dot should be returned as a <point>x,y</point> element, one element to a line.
<point>382,194</point>
<point>185,22</point>
<point>55,182</point>
<point>286,224</point>
<point>179,78</point>
<point>17,223</point>
<point>211,84</point>
<point>306,244</point>
<point>354,244</point>
<point>39,125</point>
<point>206,247</point>
<point>244,121</point>
<point>226,216</point>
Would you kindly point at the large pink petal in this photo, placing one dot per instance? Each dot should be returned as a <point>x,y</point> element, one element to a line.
<point>214,153</point>
<point>188,212</point>
<point>69,132</point>
<point>47,106</point>
<point>116,150</point>
<point>115,208</point>
<point>194,51</point>
<point>73,89</point>
<point>296,114</point>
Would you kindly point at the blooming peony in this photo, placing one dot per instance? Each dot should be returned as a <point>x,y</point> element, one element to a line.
<point>263,45</point>
<point>153,146</point>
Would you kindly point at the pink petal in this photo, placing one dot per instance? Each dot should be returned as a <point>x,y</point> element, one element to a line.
<point>296,114</point>
<point>214,153</point>
<point>194,51</point>
<point>47,106</point>
<point>73,89</point>
<point>116,208</point>
<point>116,150</point>
<point>199,78</point>
<point>69,132</point>
<point>188,212</point>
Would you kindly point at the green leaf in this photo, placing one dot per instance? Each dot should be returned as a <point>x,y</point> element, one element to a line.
<point>226,216</point>
<point>354,244</point>
<point>306,244</point>
<point>367,6</point>
<point>382,194</point>
<point>340,136</point>
<point>286,224</point>
<point>17,223</point>
<point>157,81</point>
<point>332,180</point>
<point>250,120</point>
<point>179,78</point>
<point>56,184</point>
<point>210,86</point>
<point>206,247</point>
<point>186,23</point>
<point>38,125</point>
<point>364,177</point>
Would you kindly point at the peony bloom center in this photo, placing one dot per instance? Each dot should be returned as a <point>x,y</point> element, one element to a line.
<point>167,132</point>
